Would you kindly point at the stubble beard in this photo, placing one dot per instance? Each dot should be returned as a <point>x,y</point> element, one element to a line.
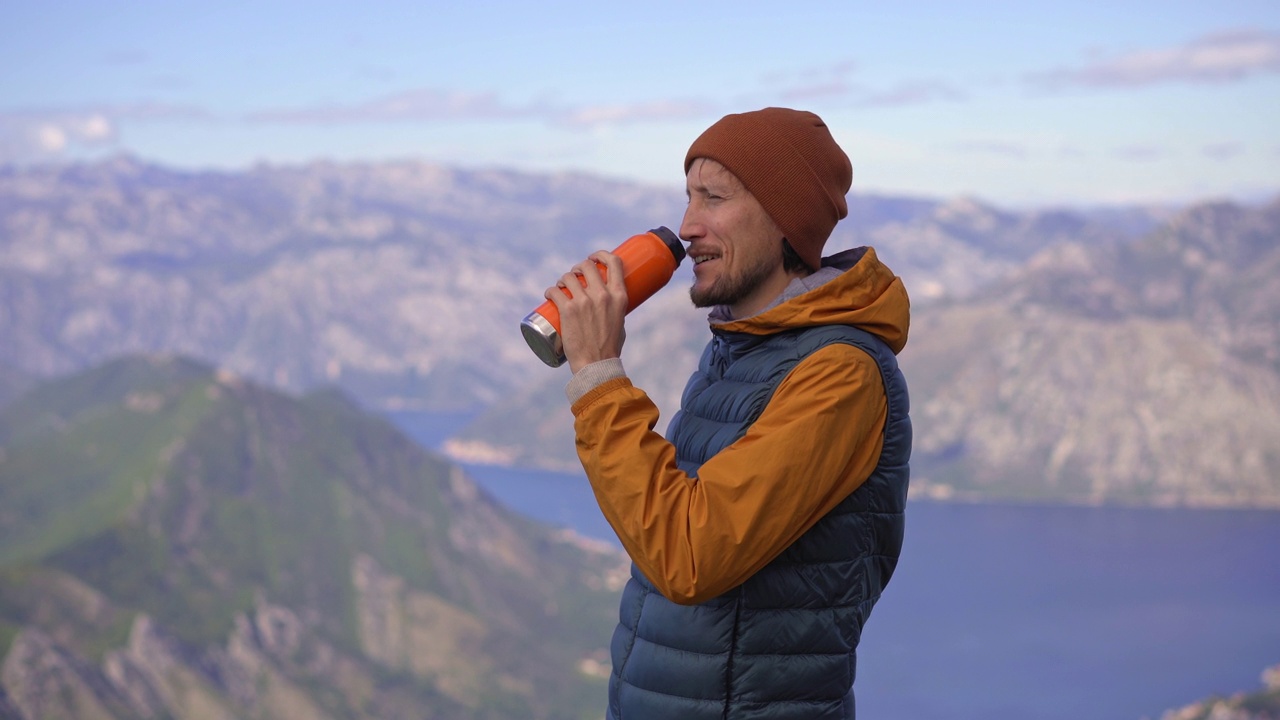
<point>730,290</point>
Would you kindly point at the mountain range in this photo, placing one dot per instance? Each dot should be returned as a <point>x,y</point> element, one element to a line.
<point>391,279</point>
<point>179,542</point>
<point>1113,355</point>
<point>1141,373</point>
<point>203,514</point>
<point>1125,371</point>
<point>388,280</point>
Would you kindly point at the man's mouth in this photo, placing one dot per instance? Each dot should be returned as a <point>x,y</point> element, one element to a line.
<point>699,259</point>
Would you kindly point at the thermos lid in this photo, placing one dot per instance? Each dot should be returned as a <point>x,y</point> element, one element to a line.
<point>673,242</point>
<point>543,339</point>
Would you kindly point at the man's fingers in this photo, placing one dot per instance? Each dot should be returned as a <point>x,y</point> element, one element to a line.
<point>602,271</point>
<point>613,267</point>
<point>589,273</point>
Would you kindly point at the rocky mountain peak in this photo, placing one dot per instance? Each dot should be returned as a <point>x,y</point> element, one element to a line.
<point>193,539</point>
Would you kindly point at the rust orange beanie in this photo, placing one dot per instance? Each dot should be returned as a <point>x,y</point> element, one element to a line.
<point>788,160</point>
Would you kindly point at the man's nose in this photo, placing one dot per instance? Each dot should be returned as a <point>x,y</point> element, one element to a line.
<point>690,227</point>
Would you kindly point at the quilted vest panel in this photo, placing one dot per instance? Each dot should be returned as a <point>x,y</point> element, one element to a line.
<point>782,646</point>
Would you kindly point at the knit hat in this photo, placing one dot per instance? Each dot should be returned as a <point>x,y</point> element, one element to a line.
<point>789,162</point>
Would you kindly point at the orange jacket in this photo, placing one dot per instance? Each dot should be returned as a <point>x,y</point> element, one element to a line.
<point>695,538</point>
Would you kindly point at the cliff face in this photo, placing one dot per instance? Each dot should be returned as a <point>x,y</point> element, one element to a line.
<point>1139,373</point>
<point>181,543</point>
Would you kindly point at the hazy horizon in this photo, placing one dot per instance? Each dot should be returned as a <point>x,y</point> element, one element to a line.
<point>1052,103</point>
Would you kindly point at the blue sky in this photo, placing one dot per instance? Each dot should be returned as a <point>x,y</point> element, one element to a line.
<point>1017,103</point>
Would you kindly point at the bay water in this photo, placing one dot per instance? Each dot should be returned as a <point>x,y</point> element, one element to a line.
<point>1024,612</point>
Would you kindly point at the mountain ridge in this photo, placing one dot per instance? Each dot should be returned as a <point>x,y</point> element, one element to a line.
<point>403,283</point>
<point>354,274</point>
<point>189,539</point>
<point>1125,372</point>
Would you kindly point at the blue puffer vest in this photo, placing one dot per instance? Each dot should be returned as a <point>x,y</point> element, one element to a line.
<point>781,646</point>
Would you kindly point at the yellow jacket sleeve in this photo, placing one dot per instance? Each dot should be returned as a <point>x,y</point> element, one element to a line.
<point>694,538</point>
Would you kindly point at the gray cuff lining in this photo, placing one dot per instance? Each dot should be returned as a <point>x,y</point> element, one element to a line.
<point>591,376</point>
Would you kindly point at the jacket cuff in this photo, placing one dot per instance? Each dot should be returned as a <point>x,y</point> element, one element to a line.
<point>591,376</point>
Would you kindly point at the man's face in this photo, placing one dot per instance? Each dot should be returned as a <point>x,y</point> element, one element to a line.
<point>735,246</point>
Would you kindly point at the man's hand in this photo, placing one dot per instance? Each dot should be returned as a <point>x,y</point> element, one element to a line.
<point>592,310</point>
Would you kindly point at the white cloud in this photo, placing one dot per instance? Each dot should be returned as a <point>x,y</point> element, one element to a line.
<point>418,105</point>
<point>425,105</point>
<point>28,137</point>
<point>996,148</point>
<point>655,111</point>
<point>818,82</point>
<point>1215,58</point>
<point>834,83</point>
<point>154,111</point>
<point>1223,150</point>
<point>911,93</point>
<point>41,135</point>
<point>434,104</point>
<point>820,74</point>
<point>818,91</point>
<point>1141,153</point>
<point>51,138</point>
<point>96,128</point>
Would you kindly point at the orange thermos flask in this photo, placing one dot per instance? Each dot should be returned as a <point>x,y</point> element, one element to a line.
<point>648,262</point>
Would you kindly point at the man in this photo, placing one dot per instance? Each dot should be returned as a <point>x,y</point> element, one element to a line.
<point>766,524</point>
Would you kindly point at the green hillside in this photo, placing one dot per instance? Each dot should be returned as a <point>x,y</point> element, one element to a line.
<point>293,544</point>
